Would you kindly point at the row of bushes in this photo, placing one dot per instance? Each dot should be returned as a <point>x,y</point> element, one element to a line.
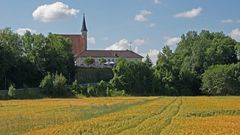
<point>55,86</point>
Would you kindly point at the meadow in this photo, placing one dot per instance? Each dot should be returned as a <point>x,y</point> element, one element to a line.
<point>121,115</point>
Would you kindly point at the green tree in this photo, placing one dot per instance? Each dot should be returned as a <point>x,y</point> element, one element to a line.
<point>196,52</point>
<point>165,74</point>
<point>222,80</point>
<point>133,77</point>
<point>10,53</point>
<point>148,61</point>
<point>26,59</point>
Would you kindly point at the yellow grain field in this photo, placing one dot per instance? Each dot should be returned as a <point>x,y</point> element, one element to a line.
<point>122,115</point>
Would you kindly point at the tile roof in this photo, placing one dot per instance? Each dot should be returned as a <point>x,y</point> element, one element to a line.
<point>110,53</point>
<point>78,43</point>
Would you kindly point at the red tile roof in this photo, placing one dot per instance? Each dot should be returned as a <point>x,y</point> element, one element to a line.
<point>109,53</point>
<point>78,43</point>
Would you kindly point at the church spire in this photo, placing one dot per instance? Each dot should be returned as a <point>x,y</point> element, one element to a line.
<point>84,27</point>
<point>84,32</point>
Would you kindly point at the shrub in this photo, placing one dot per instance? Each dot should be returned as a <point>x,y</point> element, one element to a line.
<point>101,89</point>
<point>12,91</point>
<point>75,88</point>
<point>54,85</point>
<point>47,85</point>
<point>102,61</point>
<point>89,61</point>
<point>91,91</point>
<point>59,85</point>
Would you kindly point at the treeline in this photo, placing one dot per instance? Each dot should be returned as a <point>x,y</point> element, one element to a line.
<point>25,60</point>
<point>204,63</point>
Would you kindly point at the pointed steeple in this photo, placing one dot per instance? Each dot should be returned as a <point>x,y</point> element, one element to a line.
<point>84,26</point>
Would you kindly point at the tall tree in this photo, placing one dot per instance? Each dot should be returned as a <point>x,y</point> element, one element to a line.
<point>222,80</point>
<point>165,74</point>
<point>133,77</point>
<point>148,61</point>
<point>24,60</point>
<point>196,52</point>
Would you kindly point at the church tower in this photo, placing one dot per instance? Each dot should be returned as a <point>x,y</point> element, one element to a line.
<point>84,32</point>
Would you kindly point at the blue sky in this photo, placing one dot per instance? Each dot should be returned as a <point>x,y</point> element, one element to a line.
<point>145,25</point>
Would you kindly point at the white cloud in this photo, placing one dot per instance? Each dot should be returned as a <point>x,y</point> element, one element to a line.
<point>172,41</point>
<point>227,21</point>
<point>235,34</point>
<point>153,55</point>
<point>138,42</point>
<point>189,14</point>
<point>157,1</point>
<point>230,21</point>
<point>53,12</point>
<point>142,16</point>
<point>91,40</point>
<point>125,44</point>
<point>22,31</point>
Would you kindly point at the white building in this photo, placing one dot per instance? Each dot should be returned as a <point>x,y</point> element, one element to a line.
<point>80,51</point>
<point>110,57</point>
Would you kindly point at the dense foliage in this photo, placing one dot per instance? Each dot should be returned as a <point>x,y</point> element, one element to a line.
<point>182,72</point>
<point>55,85</point>
<point>133,77</point>
<point>24,60</point>
<point>222,80</point>
<point>197,52</point>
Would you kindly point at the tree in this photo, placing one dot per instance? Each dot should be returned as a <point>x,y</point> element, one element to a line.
<point>25,60</point>
<point>10,53</point>
<point>133,77</point>
<point>222,80</point>
<point>148,61</point>
<point>165,74</point>
<point>197,52</point>
<point>57,56</point>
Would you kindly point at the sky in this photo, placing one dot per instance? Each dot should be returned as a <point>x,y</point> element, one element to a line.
<point>144,26</point>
